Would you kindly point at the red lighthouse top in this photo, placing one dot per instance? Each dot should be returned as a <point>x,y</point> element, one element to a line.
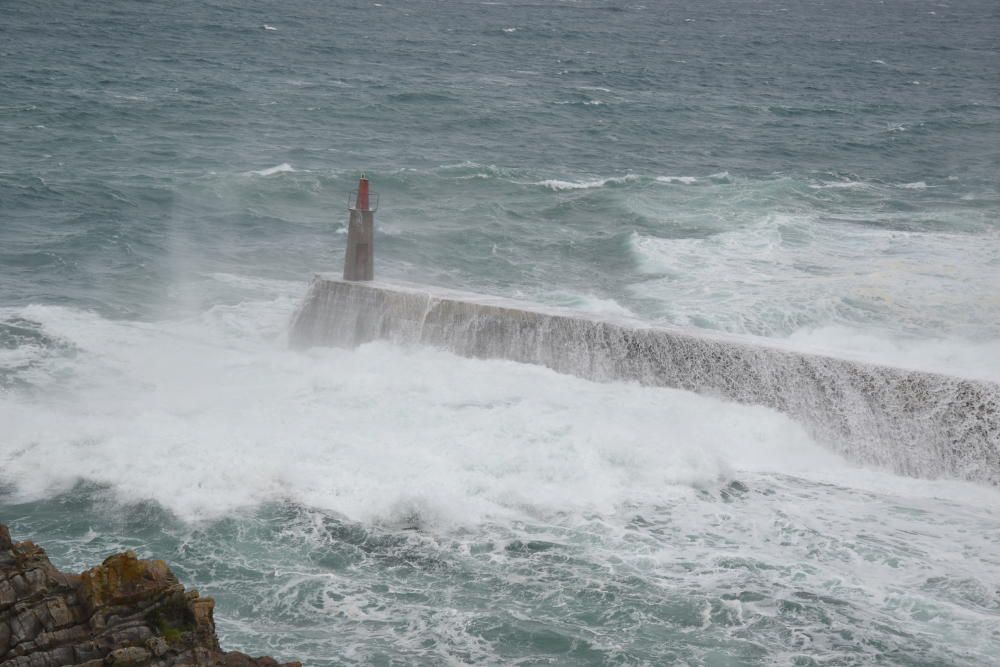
<point>361,203</point>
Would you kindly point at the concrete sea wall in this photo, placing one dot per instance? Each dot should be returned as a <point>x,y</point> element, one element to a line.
<point>913,422</point>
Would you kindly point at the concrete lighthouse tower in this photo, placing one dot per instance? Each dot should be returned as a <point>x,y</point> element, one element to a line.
<point>359,261</point>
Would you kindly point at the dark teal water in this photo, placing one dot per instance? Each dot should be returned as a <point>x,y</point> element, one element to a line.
<point>131,134</point>
<point>824,173</point>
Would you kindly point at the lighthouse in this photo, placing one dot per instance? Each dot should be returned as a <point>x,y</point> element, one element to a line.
<point>359,260</point>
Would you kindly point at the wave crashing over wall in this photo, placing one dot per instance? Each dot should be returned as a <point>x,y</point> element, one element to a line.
<point>913,422</point>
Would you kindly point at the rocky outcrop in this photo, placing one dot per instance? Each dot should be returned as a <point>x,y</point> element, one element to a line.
<point>125,611</point>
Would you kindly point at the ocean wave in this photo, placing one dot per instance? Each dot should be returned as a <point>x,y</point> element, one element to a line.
<point>683,180</point>
<point>282,168</point>
<point>583,103</point>
<point>775,274</point>
<point>953,355</point>
<point>210,415</point>
<point>17,108</point>
<point>841,185</point>
<point>409,97</point>
<point>555,184</point>
<point>586,302</point>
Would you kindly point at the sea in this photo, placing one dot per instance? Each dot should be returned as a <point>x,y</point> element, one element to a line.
<point>821,174</point>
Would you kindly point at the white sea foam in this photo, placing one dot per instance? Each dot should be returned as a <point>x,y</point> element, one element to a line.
<point>282,168</point>
<point>214,417</point>
<point>917,185</point>
<point>268,27</point>
<point>20,356</point>
<point>841,185</point>
<point>210,415</point>
<point>554,184</point>
<point>684,180</point>
<point>969,358</point>
<point>590,303</point>
<point>784,273</point>
<point>586,103</point>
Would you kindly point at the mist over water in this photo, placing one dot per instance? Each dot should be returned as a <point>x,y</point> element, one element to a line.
<point>171,175</point>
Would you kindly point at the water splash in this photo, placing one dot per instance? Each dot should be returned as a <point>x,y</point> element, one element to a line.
<point>913,422</point>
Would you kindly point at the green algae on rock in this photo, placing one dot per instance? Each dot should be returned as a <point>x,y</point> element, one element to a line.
<point>125,611</point>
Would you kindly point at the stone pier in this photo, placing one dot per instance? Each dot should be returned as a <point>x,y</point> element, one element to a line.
<point>912,422</point>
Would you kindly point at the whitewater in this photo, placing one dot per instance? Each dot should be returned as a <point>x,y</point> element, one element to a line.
<point>817,178</point>
<point>391,502</point>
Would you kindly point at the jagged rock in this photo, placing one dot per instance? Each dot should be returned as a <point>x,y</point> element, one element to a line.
<point>125,612</point>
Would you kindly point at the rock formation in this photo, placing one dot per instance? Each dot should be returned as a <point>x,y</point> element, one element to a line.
<point>125,611</point>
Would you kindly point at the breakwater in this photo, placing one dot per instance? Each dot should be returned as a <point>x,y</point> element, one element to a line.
<point>913,422</point>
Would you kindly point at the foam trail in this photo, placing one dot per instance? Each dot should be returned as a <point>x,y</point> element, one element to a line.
<point>683,180</point>
<point>282,168</point>
<point>557,185</point>
<point>913,422</point>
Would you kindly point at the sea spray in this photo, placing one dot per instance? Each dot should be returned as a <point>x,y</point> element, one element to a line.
<point>910,421</point>
<point>396,501</point>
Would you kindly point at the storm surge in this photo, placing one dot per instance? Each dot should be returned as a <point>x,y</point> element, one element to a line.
<point>912,422</point>
<point>784,223</point>
<point>403,503</point>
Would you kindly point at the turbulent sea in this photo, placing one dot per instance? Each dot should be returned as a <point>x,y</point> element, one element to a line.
<point>823,173</point>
